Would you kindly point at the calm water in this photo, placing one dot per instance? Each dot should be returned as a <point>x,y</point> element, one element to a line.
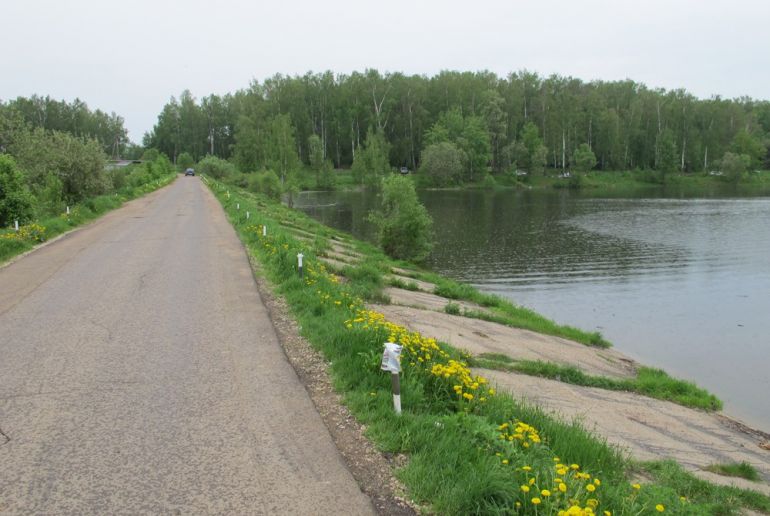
<point>678,281</point>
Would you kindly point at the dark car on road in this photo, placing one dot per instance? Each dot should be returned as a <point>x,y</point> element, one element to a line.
<point>189,172</point>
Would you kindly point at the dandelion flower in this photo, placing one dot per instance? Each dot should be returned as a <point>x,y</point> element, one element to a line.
<point>660,507</point>
<point>536,501</point>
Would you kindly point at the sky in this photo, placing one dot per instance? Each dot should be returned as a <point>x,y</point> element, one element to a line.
<point>130,57</point>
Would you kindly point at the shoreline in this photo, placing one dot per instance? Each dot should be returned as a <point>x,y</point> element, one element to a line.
<point>347,259</point>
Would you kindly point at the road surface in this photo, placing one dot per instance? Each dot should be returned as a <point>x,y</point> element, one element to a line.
<point>140,374</point>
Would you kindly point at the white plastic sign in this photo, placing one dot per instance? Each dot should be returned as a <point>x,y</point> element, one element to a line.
<point>390,358</point>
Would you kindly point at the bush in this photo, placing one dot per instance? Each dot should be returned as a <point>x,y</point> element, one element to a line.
<point>489,181</point>
<point>405,229</point>
<point>78,163</point>
<point>442,164</point>
<point>216,167</point>
<point>266,183</point>
<point>15,199</point>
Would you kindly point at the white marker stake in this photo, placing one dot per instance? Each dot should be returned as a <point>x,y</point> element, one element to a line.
<point>16,225</point>
<point>299,261</point>
<point>395,383</point>
<point>391,362</point>
<point>237,206</point>
<point>264,231</point>
<point>68,210</point>
<point>247,215</point>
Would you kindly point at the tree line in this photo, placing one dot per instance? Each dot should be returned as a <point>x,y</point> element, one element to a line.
<point>74,118</point>
<point>53,154</point>
<point>479,120</point>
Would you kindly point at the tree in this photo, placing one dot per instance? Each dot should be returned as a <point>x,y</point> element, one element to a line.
<point>532,158</point>
<point>442,164</point>
<point>15,199</point>
<point>584,159</point>
<point>184,161</point>
<point>78,163</point>
<point>497,125</point>
<point>371,165</point>
<point>745,144</point>
<point>468,134</point>
<point>667,155</point>
<point>734,165</point>
<point>405,229</point>
<point>324,173</point>
<point>540,159</point>
<point>282,150</point>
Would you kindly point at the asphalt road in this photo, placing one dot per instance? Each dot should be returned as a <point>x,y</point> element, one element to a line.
<point>140,374</point>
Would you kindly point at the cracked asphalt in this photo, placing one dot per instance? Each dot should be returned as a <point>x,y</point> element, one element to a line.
<point>140,374</point>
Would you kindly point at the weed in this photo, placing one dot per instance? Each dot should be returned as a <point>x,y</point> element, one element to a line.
<point>742,470</point>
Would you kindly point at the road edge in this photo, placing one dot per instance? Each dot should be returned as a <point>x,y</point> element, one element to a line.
<point>372,470</point>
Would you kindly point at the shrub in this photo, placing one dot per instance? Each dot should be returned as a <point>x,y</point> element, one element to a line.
<point>216,167</point>
<point>15,199</point>
<point>405,229</point>
<point>442,164</point>
<point>266,183</point>
<point>78,163</point>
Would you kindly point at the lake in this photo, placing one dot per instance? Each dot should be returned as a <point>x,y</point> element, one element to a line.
<point>678,280</point>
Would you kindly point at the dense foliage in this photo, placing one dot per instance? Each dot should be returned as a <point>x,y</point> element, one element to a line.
<point>15,199</point>
<point>405,229</point>
<point>520,121</point>
<point>74,118</point>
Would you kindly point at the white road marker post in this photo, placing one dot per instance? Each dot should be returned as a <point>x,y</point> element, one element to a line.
<point>299,263</point>
<point>16,225</point>
<point>264,230</point>
<point>391,361</point>
<point>68,210</point>
<point>247,215</point>
<point>237,206</point>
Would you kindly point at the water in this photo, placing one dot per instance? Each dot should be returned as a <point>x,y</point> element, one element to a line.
<point>677,280</point>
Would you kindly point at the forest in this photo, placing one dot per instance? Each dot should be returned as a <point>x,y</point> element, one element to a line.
<point>522,121</point>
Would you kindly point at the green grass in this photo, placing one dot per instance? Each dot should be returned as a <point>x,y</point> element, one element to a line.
<point>651,382</point>
<point>452,446</point>
<point>709,498</point>
<point>80,214</point>
<point>736,469</point>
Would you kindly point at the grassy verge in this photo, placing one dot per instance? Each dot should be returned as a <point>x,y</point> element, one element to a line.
<point>470,450</point>
<point>32,234</point>
<point>651,382</point>
<point>741,470</point>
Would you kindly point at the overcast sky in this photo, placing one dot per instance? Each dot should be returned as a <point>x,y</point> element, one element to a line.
<point>131,56</point>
